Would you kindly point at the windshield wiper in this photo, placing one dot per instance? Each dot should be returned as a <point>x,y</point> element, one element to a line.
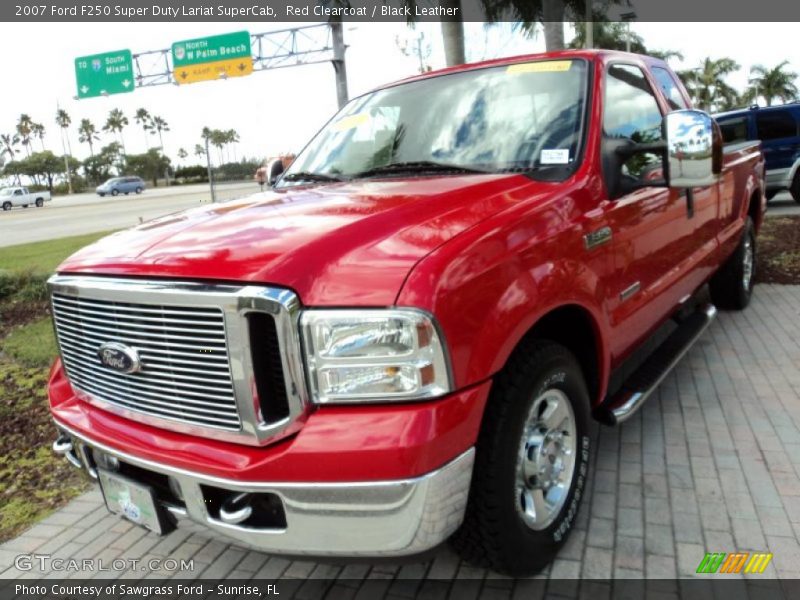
<point>420,166</point>
<point>309,176</point>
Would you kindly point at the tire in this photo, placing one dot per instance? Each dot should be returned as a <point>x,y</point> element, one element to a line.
<point>139,190</point>
<point>499,530</point>
<point>732,285</point>
<point>6,205</point>
<point>114,192</point>
<point>39,202</point>
<point>770,194</point>
<point>794,189</point>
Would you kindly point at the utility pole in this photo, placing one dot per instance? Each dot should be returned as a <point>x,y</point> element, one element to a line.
<point>66,159</point>
<point>337,36</point>
<point>210,174</point>
<point>589,26</point>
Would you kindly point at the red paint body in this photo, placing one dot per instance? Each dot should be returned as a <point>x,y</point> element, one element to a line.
<point>487,255</point>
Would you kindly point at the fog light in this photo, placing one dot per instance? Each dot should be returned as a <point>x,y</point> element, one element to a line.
<point>105,461</point>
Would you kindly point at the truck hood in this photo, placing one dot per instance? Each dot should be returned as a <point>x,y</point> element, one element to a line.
<point>350,243</point>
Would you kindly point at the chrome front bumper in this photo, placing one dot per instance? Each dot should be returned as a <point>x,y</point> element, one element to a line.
<point>375,518</point>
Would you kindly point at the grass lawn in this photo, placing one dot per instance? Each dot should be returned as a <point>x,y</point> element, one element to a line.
<point>33,344</point>
<point>44,257</point>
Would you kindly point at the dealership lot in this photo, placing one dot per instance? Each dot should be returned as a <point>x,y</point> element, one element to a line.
<point>711,464</point>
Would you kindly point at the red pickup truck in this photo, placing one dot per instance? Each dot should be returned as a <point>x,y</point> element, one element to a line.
<point>407,339</point>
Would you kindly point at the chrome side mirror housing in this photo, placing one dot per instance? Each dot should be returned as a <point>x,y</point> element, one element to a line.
<point>694,149</point>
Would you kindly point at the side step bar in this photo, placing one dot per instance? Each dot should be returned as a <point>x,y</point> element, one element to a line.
<point>623,405</point>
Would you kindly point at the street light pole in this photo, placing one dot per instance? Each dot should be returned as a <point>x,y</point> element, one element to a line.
<point>210,174</point>
<point>628,17</point>
<point>339,66</point>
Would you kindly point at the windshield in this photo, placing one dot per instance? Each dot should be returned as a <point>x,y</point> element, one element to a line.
<point>511,118</point>
<point>112,180</point>
<point>6,191</point>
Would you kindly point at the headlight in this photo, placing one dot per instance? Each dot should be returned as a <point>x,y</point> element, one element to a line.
<point>373,355</point>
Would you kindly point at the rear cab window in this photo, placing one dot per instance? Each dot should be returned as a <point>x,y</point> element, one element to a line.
<point>734,130</point>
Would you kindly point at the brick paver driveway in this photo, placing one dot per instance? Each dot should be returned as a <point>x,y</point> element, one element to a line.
<point>712,463</point>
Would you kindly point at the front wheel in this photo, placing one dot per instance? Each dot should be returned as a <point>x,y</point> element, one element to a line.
<point>6,205</point>
<point>732,285</point>
<point>531,463</point>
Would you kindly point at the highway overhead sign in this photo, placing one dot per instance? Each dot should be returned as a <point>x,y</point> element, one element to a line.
<point>104,74</point>
<point>212,57</point>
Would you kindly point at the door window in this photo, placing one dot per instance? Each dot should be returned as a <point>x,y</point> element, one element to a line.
<point>734,130</point>
<point>632,113</point>
<point>669,88</point>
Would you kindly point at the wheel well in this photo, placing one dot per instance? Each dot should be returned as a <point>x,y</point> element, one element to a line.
<point>754,209</point>
<point>573,327</point>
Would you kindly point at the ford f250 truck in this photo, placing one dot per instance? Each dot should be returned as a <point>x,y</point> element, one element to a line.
<point>20,196</point>
<point>407,339</point>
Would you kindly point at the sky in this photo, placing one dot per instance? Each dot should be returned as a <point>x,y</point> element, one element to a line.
<point>277,111</point>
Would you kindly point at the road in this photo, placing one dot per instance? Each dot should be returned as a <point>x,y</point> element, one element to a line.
<point>783,205</point>
<point>88,213</point>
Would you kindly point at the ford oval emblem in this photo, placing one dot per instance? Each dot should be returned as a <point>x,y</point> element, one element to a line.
<point>119,357</point>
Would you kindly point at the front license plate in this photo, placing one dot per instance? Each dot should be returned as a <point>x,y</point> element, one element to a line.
<point>132,500</point>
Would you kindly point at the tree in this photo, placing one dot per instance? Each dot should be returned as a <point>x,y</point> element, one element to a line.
<point>87,134</point>
<point>199,150</point>
<point>63,120</point>
<point>143,119</point>
<point>116,122</point>
<point>232,137</point>
<point>38,130</point>
<point>417,47</point>
<point>614,36</point>
<point>707,84</point>
<point>150,165</point>
<point>8,142</point>
<point>182,154</point>
<point>44,164</point>
<point>772,83</point>
<point>98,167</point>
<point>24,130</point>
<point>157,125</point>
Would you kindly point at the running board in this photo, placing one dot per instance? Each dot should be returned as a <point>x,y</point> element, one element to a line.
<point>638,387</point>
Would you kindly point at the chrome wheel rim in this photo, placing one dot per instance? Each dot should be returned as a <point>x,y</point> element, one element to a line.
<point>546,459</point>
<point>747,271</point>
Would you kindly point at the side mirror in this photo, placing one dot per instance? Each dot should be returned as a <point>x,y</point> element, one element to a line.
<point>694,149</point>
<point>274,170</point>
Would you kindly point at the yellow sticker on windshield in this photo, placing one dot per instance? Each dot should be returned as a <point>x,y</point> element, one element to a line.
<point>547,66</point>
<point>350,122</point>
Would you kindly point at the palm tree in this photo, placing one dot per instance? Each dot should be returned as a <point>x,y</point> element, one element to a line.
<point>88,134</point>
<point>24,130</point>
<point>116,122</point>
<point>157,125</point>
<point>63,120</point>
<point>8,141</point>
<point>142,118</point>
<point>182,154</point>
<point>232,137</point>
<point>37,130</point>
<point>199,150</point>
<point>707,84</point>
<point>772,83</point>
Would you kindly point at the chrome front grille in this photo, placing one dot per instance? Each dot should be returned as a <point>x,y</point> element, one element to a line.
<point>194,347</point>
<point>185,372</point>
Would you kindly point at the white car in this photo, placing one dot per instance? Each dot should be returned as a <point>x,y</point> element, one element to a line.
<point>19,196</point>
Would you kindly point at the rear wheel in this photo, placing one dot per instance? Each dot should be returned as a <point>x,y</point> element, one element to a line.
<point>794,189</point>
<point>531,463</point>
<point>732,286</point>
<point>39,202</point>
<point>139,190</point>
<point>6,205</point>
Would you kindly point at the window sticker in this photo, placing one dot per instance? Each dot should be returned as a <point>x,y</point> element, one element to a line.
<point>547,66</point>
<point>351,121</point>
<point>554,156</point>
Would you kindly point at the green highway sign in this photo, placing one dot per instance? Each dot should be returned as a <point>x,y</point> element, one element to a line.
<point>104,74</point>
<point>211,49</point>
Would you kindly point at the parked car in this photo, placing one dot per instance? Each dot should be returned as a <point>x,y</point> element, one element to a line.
<point>121,185</point>
<point>20,196</point>
<point>406,339</point>
<point>778,128</point>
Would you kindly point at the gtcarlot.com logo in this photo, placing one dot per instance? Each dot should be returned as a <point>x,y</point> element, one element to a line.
<point>735,562</point>
<point>46,563</point>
